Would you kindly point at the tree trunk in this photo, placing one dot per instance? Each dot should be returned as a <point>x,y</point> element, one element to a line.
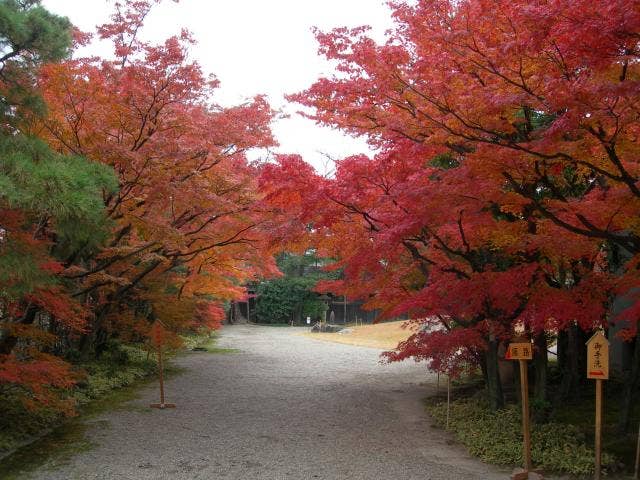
<point>483,367</point>
<point>573,366</point>
<point>540,363</point>
<point>540,405</point>
<point>494,385</point>
<point>230,314</point>
<point>8,343</point>
<point>237,314</point>
<point>98,336</point>
<point>100,342</point>
<point>631,380</point>
<point>562,345</point>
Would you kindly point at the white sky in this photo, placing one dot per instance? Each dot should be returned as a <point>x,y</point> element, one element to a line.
<point>257,46</point>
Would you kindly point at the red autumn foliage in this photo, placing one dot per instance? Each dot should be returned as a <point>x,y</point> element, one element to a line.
<point>40,375</point>
<point>187,210</point>
<point>187,220</point>
<point>507,168</point>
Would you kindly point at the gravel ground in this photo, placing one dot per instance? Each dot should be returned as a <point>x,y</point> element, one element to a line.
<point>284,407</point>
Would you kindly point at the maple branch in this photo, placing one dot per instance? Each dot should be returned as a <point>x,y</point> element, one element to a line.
<point>610,148</point>
<point>500,139</point>
<point>134,34</point>
<point>629,242</point>
<point>548,183</point>
<point>184,218</point>
<point>113,260</point>
<point>366,216</point>
<point>491,68</point>
<point>120,235</point>
<point>462,235</point>
<point>457,271</point>
<point>444,246</point>
<point>91,288</point>
<point>444,323</point>
<point>137,279</point>
<point>423,261</point>
<point>231,240</point>
<point>213,218</point>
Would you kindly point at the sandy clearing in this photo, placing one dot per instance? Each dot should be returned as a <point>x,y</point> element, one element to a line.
<point>283,407</point>
<point>385,336</point>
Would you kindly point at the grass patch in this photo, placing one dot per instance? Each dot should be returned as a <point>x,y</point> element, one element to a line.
<point>130,365</point>
<point>196,342</point>
<point>274,324</point>
<point>496,437</point>
<point>206,343</point>
<point>53,450</point>
<point>211,346</point>
<point>622,446</point>
<point>220,350</point>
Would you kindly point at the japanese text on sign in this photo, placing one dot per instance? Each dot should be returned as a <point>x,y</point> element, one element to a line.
<point>519,351</point>
<point>598,357</point>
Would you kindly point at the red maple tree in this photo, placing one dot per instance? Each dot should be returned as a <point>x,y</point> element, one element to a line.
<point>504,194</point>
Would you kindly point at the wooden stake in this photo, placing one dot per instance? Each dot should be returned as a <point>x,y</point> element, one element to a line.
<point>161,373</point>
<point>161,376</point>
<point>437,384</point>
<point>448,399</point>
<point>524,389</point>
<point>636,474</point>
<point>598,446</point>
<point>522,352</point>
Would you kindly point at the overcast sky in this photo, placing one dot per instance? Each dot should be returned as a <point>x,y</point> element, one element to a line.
<point>256,46</point>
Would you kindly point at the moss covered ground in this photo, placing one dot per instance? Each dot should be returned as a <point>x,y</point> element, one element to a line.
<point>31,439</point>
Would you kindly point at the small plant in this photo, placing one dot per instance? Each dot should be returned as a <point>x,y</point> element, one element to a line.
<point>496,437</point>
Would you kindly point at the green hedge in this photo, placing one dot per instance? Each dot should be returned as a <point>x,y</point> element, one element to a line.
<point>496,437</point>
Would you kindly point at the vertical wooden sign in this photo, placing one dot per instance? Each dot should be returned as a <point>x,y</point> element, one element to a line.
<point>522,352</point>
<point>598,369</point>
<point>598,357</point>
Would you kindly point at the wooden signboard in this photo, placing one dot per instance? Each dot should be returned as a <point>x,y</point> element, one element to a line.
<point>519,351</point>
<point>523,351</point>
<point>598,369</point>
<point>598,357</point>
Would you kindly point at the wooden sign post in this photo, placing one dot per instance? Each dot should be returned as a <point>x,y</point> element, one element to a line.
<point>158,339</point>
<point>523,351</point>
<point>636,471</point>
<point>598,369</point>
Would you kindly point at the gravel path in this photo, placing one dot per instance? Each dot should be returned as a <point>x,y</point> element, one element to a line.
<point>284,407</point>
